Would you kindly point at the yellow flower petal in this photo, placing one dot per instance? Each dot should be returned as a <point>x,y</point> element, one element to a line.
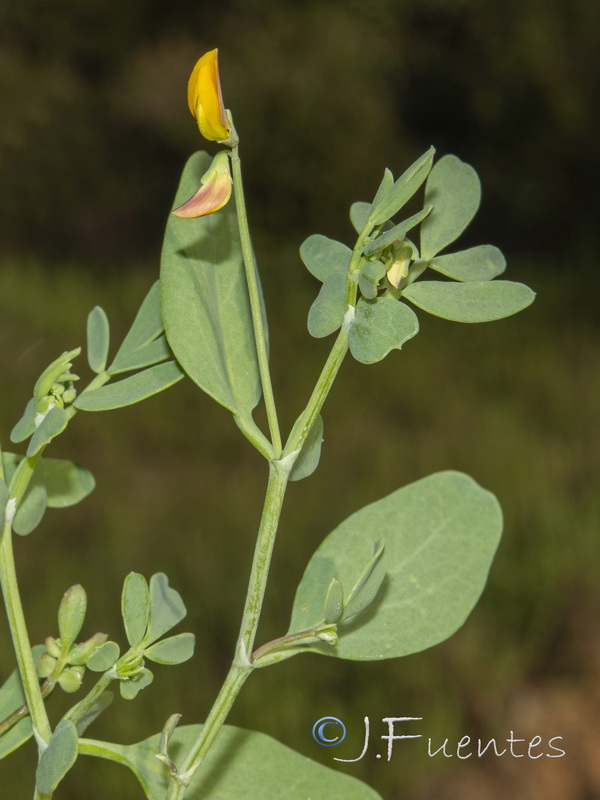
<point>399,267</point>
<point>214,191</point>
<point>205,100</point>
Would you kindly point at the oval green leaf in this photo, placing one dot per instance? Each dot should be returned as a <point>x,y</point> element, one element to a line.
<point>368,278</point>
<point>150,353</point>
<point>98,339</point>
<point>58,758</point>
<point>323,257</point>
<point>10,461</point>
<point>66,483</point>
<point>166,607</point>
<point>481,263</point>
<point>174,650</point>
<point>147,324</point>
<point>455,192</point>
<point>71,614</point>
<point>104,657</point>
<point>26,425</point>
<point>399,231</point>
<point>380,326</point>
<point>327,312</point>
<point>131,687</point>
<point>135,607</point>
<point>403,189</point>
<point>384,187</point>
<point>205,303</point>
<point>53,423</point>
<point>130,390</point>
<point>240,764</point>
<point>476,301</point>
<point>31,510</point>
<point>359,214</point>
<point>440,535</point>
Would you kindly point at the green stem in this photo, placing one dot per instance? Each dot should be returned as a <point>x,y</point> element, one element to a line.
<point>335,359</point>
<point>234,681</point>
<point>14,608</point>
<point>20,637</point>
<point>256,305</point>
<point>278,480</point>
<point>315,403</point>
<point>83,706</point>
<point>242,666</point>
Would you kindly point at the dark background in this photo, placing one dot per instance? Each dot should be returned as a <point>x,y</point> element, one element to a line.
<point>94,132</point>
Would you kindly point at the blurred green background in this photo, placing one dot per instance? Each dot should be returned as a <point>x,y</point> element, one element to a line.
<point>94,133</point>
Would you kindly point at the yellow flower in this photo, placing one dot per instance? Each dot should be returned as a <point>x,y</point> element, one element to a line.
<point>398,269</point>
<point>205,100</point>
<point>214,191</point>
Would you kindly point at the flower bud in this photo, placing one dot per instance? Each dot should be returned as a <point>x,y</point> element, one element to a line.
<point>70,680</point>
<point>69,395</point>
<point>46,665</point>
<point>329,635</point>
<point>55,372</point>
<point>53,646</point>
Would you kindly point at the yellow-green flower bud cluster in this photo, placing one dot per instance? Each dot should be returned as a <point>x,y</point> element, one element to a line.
<point>67,670</point>
<point>56,385</point>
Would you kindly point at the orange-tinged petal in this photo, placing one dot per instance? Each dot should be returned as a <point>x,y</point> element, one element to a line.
<point>214,191</point>
<point>210,197</point>
<point>205,100</point>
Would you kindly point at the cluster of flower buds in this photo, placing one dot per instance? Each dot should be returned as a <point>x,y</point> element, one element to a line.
<point>68,670</point>
<point>64,661</point>
<point>56,385</point>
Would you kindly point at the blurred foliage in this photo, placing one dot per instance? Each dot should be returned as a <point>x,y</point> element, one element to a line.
<point>95,126</point>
